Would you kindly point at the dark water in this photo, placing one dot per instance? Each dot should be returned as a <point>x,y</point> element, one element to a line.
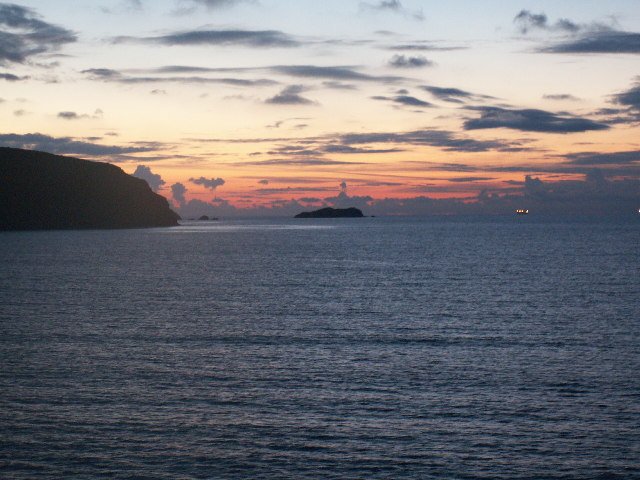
<point>395,348</point>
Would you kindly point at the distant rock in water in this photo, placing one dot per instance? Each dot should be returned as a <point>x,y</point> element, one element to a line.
<point>329,212</point>
<point>41,191</point>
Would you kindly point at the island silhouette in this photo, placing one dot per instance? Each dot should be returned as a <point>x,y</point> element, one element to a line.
<point>42,191</point>
<point>329,212</point>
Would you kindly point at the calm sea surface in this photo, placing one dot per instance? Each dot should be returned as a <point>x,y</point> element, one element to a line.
<point>375,348</point>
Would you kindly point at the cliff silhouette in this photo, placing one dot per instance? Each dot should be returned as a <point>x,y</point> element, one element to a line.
<point>42,191</point>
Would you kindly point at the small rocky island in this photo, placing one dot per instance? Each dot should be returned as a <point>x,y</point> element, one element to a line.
<point>329,212</point>
<point>42,191</point>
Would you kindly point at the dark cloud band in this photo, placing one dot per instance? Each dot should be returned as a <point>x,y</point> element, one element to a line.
<point>530,120</point>
<point>28,34</point>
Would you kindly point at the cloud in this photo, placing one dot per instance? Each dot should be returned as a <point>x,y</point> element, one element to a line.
<point>530,120</point>
<point>339,85</point>
<point>155,181</point>
<point>593,194</point>
<point>102,73</point>
<point>446,140</point>
<point>75,116</point>
<point>220,38</point>
<point>401,61</point>
<point>178,191</point>
<point>528,21</point>
<point>405,100</point>
<point>347,149</point>
<point>220,207</point>
<point>469,179</point>
<point>69,115</point>
<point>584,38</point>
<point>421,47</point>
<point>453,95</point>
<point>560,96</point>
<point>290,96</point>
<point>333,76</point>
<point>237,82</point>
<point>299,161</point>
<point>331,73</point>
<point>616,158</point>
<point>599,42</point>
<point>10,77</point>
<point>393,6</point>
<point>343,200</point>
<point>191,69</point>
<point>25,35</point>
<point>211,183</point>
<point>125,6</point>
<point>67,145</point>
<point>630,98</point>
<point>213,4</point>
<point>271,191</point>
<point>109,75</point>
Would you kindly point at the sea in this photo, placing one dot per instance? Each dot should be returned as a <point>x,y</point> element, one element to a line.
<point>435,347</point>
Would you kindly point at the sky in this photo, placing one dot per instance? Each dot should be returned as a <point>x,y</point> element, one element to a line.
<point>272,107</point>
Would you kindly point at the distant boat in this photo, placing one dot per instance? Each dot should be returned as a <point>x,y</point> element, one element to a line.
<point>521,211</point>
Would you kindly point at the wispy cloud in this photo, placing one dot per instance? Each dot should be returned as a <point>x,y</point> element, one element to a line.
<point>421,46</point>
<point>110,75</point>
<point>219,38</point>
<point>338,73</point>
<point>298,162</point>
<point>560,97</point>
<point>469,179</point>
<point>446,140</point>
<point>405,100</point>
<point>453,95</point>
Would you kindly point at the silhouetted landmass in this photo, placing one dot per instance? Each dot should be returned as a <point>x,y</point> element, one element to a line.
<point>41,191</point>
<point>329,212</point>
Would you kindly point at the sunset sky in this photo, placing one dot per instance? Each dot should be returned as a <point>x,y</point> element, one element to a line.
<point>267,107</point>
